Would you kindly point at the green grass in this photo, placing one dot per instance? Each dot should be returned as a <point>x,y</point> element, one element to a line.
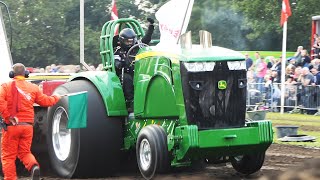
<point>276,54</point>
<point>298,123</point>
<point>292,117</point>
<point>309,122</point>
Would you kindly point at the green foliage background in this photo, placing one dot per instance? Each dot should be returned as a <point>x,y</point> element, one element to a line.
<point>46,32</point>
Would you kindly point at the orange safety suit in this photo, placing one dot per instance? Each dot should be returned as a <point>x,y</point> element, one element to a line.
<point>16,141</point>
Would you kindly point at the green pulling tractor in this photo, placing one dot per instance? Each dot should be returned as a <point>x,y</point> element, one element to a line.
<point>189,106</point>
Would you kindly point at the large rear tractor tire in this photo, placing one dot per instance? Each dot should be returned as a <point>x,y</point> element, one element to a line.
<point>152,151</point>
<point>248,164</point>
<point>93,151</point>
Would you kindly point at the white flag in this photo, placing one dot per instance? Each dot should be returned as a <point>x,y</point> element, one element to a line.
<point>173,20</point>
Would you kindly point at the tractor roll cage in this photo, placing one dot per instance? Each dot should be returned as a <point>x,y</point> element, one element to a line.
<point>107,37</point>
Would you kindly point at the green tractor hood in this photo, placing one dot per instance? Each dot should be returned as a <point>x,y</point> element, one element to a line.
<point>215,53</point>
<point>196,54</point>
<point>187,52</point>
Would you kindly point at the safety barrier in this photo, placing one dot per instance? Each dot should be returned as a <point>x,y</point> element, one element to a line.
<point>297,96</point>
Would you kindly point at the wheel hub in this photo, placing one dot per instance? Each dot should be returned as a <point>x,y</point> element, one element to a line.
<point>61,136</point>
<point>145,154</point>
<point>238,158</point>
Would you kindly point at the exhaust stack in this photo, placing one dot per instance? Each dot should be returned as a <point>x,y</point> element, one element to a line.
<point>186,40</point>
<point>205,39</point>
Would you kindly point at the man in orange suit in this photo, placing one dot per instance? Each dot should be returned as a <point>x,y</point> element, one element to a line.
<point>16,108</point>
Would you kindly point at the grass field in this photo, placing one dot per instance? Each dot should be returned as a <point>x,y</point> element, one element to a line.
<point>276,54</point>
<point>308,125</point>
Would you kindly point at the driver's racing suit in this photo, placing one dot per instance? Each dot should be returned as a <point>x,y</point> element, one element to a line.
<point>125,67</point>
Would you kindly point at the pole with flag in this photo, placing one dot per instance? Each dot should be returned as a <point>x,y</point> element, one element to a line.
<point>114,13</point>
<point>285,14</point>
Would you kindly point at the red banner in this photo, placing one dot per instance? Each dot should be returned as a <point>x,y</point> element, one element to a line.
<point>285,12</point>
<point>114,11</point>
<point>114,14</point>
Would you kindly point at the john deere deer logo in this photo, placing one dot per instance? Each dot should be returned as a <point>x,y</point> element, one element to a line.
<point>222,84</point>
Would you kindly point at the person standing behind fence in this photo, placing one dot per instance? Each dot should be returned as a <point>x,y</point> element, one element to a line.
<point>257,61</point>
<point>306,79</point>
<point>261,72</point>
<point>306,60</point>
<point>316,76</point>
<point>16,108</point>
<point>316,64</point>
<point>271,62</point>
<point>298,56</point>
<point>249,62</point>
<point>277,66</point>
<point>297,73</point>
<point>316,47</point>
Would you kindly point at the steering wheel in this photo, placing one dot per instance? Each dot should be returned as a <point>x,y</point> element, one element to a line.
<point>140,45</point>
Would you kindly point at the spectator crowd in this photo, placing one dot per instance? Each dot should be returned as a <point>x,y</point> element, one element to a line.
<point>53,68</point>
<point>302,77</point>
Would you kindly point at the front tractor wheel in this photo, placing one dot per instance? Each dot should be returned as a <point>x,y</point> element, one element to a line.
<point>93,151</point>
<point>152,151</point>
<point>248,164</point>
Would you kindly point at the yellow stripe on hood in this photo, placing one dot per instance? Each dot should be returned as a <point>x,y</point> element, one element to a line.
<point>174,57</point>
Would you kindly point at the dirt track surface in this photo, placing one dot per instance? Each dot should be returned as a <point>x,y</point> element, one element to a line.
<point>279,158</point>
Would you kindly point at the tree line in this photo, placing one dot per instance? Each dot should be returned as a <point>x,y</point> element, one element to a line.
<point>46,32</point>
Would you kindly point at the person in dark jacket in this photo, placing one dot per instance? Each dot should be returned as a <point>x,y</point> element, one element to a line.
<point>316,75</point>
<point>125,65</point>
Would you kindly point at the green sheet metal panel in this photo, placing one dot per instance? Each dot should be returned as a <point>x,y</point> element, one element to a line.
<point>134,126</point>
<point>259,132</point>
<point>109,86</point>
<point>257,136</point>
<point>154,93</point>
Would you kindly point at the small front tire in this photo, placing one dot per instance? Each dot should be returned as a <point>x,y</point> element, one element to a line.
<point>248,164</point>
<point>152,151</point>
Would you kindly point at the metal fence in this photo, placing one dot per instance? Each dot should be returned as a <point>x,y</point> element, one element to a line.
<point>297,96</point>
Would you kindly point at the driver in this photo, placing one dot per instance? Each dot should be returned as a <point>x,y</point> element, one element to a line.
<point>124,65</point>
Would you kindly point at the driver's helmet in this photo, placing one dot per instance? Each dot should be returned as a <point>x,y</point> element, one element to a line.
<point>127,38</point>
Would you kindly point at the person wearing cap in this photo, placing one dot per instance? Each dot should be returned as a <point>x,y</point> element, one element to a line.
<point>16,108</point>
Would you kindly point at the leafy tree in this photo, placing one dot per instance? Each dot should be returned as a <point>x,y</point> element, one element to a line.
<point>38,29</point>
<point>46,32</point>
<point>262,19</point>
